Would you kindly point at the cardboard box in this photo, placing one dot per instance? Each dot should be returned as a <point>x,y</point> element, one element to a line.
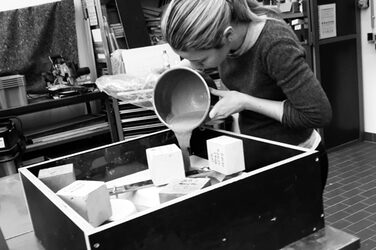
<point>143,60</point>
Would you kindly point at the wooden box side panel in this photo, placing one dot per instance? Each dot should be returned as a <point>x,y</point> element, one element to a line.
<point>265,211</point>
<point>51,226</point>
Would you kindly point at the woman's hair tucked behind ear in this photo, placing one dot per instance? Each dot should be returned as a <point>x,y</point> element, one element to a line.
<point>199,24</point>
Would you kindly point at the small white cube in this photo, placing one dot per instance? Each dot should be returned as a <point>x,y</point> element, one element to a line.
<point>165,164</point>
<point>90,199</point>
<point>57,177</point>
<point>226,155</point>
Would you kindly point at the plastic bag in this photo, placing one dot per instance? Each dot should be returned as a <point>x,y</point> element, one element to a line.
<point>117,63</point>
<point>129,89</point>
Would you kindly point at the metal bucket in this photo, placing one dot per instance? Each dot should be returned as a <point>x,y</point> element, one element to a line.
<point>181,91</point>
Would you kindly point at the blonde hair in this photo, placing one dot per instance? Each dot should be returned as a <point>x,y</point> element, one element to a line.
<point>200,24</point>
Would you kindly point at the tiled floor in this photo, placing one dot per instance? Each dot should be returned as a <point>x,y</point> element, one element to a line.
<point>350,195</point>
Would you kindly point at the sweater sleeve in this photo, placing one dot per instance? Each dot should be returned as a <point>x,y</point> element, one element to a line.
<point>307,105</point>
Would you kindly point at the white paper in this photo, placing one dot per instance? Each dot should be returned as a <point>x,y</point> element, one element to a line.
<point>327,21</point>
<point>2,143</point>
<point>97,37</point>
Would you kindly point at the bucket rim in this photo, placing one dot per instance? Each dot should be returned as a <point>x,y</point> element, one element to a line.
<point>199,75</point>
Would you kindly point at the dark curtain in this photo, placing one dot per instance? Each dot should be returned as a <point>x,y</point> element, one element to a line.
<point>29,35</point>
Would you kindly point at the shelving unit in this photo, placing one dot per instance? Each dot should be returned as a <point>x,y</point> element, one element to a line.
<point>130,120</point>
<point>303,29</point>
<point>336,62</point>
<point>137,120</point>
<point>338,67</point>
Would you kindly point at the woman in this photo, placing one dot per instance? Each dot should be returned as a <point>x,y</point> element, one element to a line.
<point>260,61</point>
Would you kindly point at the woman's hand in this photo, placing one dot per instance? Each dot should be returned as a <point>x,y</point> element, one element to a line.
<point>230,102</point>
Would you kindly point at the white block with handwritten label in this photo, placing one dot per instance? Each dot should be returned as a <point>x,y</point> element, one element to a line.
<point>90,199</point>
<point>165,163</point>
<point>226,155</point>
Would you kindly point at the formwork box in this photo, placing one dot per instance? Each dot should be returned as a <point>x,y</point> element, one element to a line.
<point>276,201</point>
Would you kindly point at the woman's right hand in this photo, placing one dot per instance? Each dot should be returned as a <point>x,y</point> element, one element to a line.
<point>230,102</point>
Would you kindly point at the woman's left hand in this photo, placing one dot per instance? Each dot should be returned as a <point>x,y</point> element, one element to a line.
<point>230,102</point>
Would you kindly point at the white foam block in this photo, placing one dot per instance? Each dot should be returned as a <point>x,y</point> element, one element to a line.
<point>145,198</point>
<point>226,155</point>
<point>121,209</point>
<point>165,164</point>
<point>182,187</point>
<point>90,199</point>
<point>57,177</point>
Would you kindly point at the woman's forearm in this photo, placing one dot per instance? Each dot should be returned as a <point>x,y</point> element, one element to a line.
<point>232,102</point>
<point>270,108</point>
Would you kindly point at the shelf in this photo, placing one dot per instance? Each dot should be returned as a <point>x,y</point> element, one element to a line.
<point>59,126</point>
<point>140,118</point>
<point>68,136</point>
<point>337,39</point>
<point>142,127</point>
<point>288,15</point>
<point>130,111</point>
<point>52,103</point>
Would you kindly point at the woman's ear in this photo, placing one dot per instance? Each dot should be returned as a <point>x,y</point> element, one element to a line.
<point>228,34</point>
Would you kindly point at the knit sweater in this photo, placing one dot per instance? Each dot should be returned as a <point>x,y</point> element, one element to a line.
<point>275,68</point>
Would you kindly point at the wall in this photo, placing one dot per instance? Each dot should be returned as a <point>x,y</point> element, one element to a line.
<point>369,73</point>
<point>39,119</point>
<point>84,45</point>
<point>17,4</point>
